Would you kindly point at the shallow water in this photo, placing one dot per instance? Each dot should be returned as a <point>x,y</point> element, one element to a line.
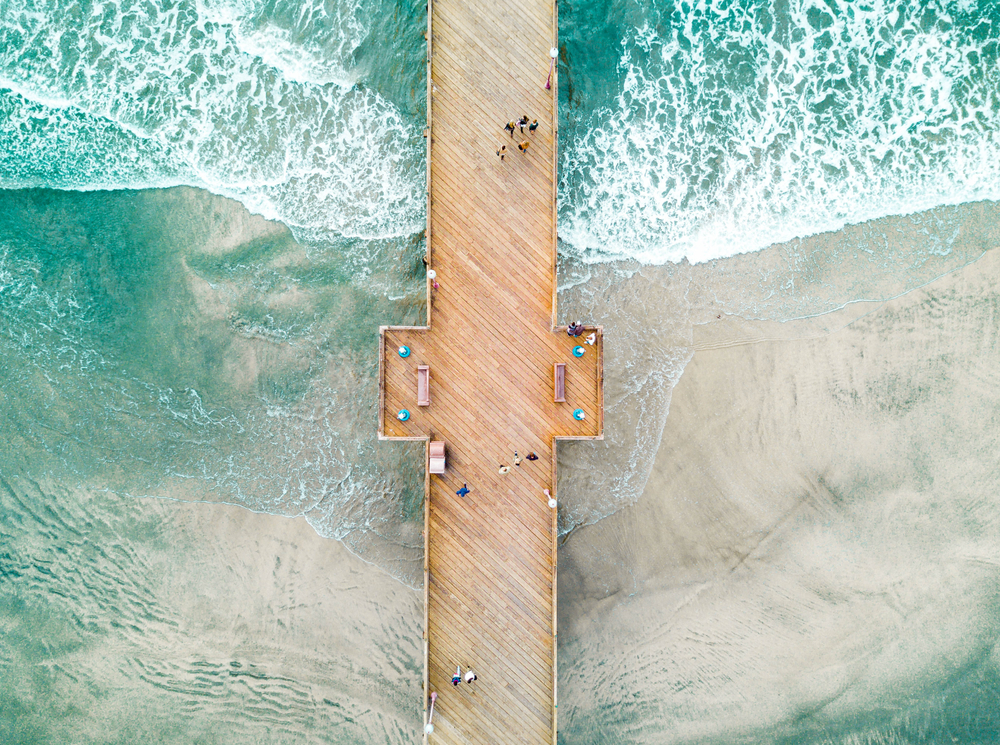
<point>814,557</point>
<point>159,339</point>
<point>132,621</point>
<point>169,344</point>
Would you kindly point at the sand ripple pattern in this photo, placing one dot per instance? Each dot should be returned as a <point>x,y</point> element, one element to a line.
<point>107,638</point>
<point>815,557</point>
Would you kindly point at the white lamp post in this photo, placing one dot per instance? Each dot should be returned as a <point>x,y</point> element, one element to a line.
<point>553,53</point>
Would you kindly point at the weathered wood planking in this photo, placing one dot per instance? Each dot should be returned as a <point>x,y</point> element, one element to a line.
<point>490,569</point>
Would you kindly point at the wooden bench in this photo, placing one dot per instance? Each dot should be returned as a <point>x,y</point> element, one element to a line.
<point>437,462</point>
<point>559,373</point>
<point>423,385</point>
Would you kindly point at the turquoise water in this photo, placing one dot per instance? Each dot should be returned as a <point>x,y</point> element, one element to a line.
<point>158,340</point>
<point>140,356</point>
<point>705,129</point>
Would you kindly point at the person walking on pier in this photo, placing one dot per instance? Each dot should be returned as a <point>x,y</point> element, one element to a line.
<point>463,491</point>
<point>517,459</point>
<point>533,126</point>
<point>470,676</point>
<point>457,677</point>
<point>523,147</point>
<point>509,127</point>
<point>522,122</point>
<point>531,456</point>
<point>502,151</point>
<point>504,470</point>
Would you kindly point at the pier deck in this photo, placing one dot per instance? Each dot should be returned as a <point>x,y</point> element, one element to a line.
<point>490,344</point>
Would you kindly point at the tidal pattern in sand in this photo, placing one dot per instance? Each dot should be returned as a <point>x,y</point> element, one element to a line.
<point>202,540</point>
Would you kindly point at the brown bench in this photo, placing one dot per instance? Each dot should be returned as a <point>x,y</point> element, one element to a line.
<point>559,373</point>
<point>436,461</point>
<point>423,385</point>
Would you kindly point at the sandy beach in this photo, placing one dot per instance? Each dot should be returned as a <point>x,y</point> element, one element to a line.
<point>290,607</point>
<point>252,627</point>
<point>815,550</point>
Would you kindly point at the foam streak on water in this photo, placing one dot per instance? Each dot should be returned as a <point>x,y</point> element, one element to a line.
<point>251,100</point>
<point>738,125</point>
<point>165,342</point>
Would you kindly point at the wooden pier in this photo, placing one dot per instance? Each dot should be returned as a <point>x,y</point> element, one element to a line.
<point>489,350</point>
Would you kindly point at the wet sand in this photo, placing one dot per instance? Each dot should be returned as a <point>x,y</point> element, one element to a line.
<point>285,603</point>
<point>815,550</point>
<point>151,620</point>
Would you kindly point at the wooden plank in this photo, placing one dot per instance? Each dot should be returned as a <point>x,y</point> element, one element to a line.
<point>490,559</point>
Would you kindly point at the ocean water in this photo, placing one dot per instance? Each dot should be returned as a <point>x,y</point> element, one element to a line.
<point>208,206</point>
<point>699,130</point>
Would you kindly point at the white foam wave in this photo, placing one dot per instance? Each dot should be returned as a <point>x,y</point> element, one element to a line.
<point>733,131</point>
<point>307,42</point>
<point>49,142</point>
<point>227,99</point>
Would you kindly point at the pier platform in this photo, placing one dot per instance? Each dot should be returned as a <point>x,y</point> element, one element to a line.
<point>488,357</point>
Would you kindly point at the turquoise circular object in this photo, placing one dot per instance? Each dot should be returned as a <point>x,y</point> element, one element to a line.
<point>404,351</point>
<point>579,415</point>
<point>578,351</point>
<point>403,415</point>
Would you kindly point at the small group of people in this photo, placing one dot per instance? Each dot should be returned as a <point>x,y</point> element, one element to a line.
<point>576,328</point>
<point>504,469</point>
<point>517,461</point>
<point>469,676</point>
<point>519,124</point>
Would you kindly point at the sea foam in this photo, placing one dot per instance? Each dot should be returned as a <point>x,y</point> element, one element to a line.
<point>249,101</point>
<point>735,126</point>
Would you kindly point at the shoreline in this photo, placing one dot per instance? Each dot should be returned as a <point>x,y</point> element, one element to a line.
<point>180,604</point>
<point>781,541</point>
